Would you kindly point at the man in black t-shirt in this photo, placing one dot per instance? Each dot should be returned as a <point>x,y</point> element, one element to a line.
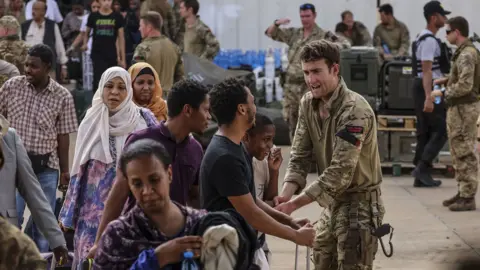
<point>226,175</point>
<point>107,26</point>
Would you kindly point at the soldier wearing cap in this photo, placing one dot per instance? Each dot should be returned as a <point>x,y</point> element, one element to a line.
<point>391,36</point>
<point>354,31</point>
<point>12,48</point>
<point>429,63</point>
<point>296,38</point>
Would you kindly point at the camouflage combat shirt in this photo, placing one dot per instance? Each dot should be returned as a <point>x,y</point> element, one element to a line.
<point>359,35</point>
<point>14,50</point>
<point>395,36</point>
<point>344,143</point>
<point>464,79</point>
<point>200,41</point>
<point>17,250</point>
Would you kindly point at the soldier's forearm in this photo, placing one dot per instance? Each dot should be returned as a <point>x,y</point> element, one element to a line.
<point>289,189</point>
<point>301,201</point>
<point>270,30</point>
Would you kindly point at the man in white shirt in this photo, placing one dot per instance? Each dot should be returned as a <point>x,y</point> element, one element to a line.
<point>43,30</point>
<point>53,12</point>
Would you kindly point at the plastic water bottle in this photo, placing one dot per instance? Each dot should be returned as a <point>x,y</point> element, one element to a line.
<point>269,89</point>
<point>188,261</point>
<point>386,50</point>
<point>438,99</point>
<point>270,65</point>
<point>278,90</point>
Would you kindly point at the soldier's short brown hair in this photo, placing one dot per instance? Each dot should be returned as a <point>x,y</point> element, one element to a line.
<point>321,49</point>
<point>459,23</point>
<point>345,13</point>
<point>154,19</point>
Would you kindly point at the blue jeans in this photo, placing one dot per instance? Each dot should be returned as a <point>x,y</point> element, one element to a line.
<point>48,182</point>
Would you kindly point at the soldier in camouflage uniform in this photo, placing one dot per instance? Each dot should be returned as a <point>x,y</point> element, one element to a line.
<point>180,30</point>
<point>461,99</point>
<point>392,33</point>
<point>198,38</point>
<point>159,51</point>
<point>17,250</point>
<point>295,38</point>
<point>163,7</point>
<point>12,48</point>
<point>339,127</point>
<point>7,71</point>
<point>355,32</point>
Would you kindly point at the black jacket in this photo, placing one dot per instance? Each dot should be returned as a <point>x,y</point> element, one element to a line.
<point>248,243</point>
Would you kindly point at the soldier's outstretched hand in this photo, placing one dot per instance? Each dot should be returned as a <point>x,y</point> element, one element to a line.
<point>277,200</point>
<point>287,208</point>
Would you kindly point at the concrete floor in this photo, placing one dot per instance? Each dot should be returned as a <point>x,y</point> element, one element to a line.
<point>427,235</point>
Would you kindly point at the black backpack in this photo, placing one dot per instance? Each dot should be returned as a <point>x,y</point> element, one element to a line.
<point>443,59</point>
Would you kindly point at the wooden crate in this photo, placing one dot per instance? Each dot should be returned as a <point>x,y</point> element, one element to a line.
<point>396,122</point>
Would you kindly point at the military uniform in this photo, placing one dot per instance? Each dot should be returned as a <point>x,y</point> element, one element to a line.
<point>180,29</point>
<point>344,141</point>
<point>17,250</point>
<point>200,41</point>
<point>164,8</point>
<point>12,48</point>
<point>164,56</point>
<point>461,98</point>
<point>295,86</point>
<point>360,36</point>
<point>7,71</point>
<point>395,36</point>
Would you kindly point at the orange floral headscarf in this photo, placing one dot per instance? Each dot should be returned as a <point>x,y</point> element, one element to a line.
<point>157,105</point>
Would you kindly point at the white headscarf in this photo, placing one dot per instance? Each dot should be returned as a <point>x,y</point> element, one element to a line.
<point>95,129</point>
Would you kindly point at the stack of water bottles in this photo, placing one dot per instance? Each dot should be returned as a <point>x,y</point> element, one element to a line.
<point>263,63</point>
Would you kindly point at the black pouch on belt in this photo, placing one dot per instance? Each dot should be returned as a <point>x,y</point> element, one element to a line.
<point>352,247</point>
<point>39,162</point>
<point>360,247</point>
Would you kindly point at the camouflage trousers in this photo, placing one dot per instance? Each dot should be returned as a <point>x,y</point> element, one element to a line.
<point>329,248</point>
<point>292,94</point>
<point>462,131</point>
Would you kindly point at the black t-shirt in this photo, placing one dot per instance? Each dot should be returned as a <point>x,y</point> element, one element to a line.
<point>226,171</point>
<point>105,32</point>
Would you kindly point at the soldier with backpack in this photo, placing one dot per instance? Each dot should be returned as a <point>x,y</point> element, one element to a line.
<point>430,61</point>
<point>461,99</point>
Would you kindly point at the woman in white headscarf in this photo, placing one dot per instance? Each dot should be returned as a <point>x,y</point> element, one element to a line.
<point>101,136</point>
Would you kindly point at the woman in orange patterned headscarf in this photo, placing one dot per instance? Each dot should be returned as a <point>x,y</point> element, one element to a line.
<point>147,91</point>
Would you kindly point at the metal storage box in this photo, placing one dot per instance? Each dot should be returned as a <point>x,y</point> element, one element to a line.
<point>402,147</point>
<point>398,85</point>
<point>359,69</point>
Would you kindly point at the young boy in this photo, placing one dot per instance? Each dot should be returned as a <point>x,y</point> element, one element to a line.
<point>107,26</point>
<point>266,161</point>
